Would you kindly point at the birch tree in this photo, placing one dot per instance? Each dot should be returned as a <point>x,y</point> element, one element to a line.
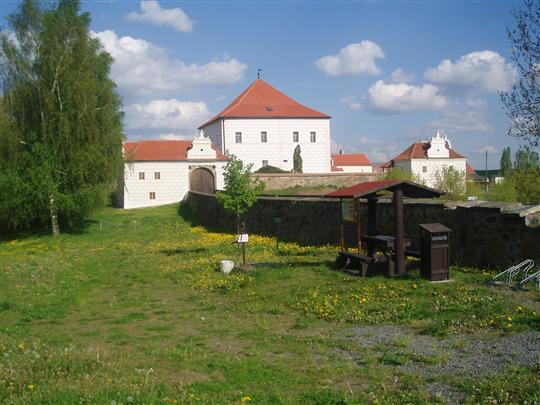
<point>63,124</point>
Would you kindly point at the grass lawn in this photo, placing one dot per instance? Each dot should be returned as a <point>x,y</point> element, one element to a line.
<point>132,310</point>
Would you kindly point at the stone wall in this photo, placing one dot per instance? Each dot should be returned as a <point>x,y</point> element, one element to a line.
<point>278,181</point>
<point>484,234</point>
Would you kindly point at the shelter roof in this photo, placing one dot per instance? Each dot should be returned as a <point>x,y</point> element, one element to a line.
<point>371,188</point>
<point>261,100</point>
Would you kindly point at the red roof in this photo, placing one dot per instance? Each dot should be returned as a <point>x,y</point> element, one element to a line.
<point>352,159</point>
<point>365,189</point>
<point>418,150</point>
<point>160,150</point>
<point>260,100</point>
<point>469,169</point>
<point>334,168</point>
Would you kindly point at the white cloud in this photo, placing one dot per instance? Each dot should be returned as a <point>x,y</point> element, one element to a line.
<point>458,118</point>
<point>351,103</point>
<point>142,68</point>
<point>387,97</point>
<point>356,58</point>
<point>364,140</point>
<point>383,153</point>
<point>400,76</point>
<point>152,12</point>
<point>487,148</point>
<point>484,70</point>
<point>159,115</point>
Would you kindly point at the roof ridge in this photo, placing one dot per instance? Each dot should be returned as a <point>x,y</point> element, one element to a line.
<point>242,96</point>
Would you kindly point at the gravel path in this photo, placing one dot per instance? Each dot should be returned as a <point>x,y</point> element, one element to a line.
<point>469,357</point>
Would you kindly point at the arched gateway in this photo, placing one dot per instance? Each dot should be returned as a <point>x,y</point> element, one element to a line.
<point>202,180</point>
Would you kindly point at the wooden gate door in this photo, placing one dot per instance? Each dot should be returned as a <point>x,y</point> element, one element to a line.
<point>202,180</point>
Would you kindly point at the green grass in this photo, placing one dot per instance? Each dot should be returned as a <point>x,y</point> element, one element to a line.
<point>137,313</point>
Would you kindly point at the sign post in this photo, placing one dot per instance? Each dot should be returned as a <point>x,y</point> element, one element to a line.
<point>243,238</point>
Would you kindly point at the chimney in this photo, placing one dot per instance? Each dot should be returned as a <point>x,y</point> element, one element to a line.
<point>341,152</point>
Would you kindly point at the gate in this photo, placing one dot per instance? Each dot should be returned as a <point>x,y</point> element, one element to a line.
<point>202,181</point>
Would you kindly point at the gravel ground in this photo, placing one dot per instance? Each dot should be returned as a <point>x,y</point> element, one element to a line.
<point>469,357</point>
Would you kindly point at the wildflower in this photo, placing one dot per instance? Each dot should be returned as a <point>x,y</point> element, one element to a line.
<point>414,285</point>
<point>31,387</point>
<point>509,319</point>
<point>21,346</point>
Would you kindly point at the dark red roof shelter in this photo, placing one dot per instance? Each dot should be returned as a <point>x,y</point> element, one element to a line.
<point>372,191</point>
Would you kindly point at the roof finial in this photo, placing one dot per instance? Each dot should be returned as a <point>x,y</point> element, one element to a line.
<point>259,73</point>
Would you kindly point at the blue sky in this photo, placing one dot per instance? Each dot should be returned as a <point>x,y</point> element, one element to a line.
<point>389,73</point>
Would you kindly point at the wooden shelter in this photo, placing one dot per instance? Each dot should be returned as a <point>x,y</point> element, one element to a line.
<point>372,191</point>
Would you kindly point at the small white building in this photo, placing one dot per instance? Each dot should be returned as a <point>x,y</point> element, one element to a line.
<point>263,126</point>
<point>352,163</point>
<point>425,158</point>
<point>162,172</point>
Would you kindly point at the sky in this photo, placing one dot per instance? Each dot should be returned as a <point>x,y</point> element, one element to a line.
<point>388,72</point>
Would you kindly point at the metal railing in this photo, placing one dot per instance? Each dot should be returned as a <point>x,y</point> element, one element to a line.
<point>528,279</point>
<point>520,270</point>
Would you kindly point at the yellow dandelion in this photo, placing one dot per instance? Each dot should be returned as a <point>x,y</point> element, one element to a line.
<point>31,387</point>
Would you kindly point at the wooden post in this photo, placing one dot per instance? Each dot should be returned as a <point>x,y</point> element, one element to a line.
<point>399,233</point>
<point>358,226</point>
<point>243,231</point>
<point>341,228</point>
<point>372,223</point>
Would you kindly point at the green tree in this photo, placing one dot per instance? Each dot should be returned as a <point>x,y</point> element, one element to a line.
<point>452,181</point>
<point>523,101</point>
<point>240,190</point>
<point>63,124</point>
<point>397,173</point>
<point>297,159</point>
<point>526,159</point>
<point>506,162</point>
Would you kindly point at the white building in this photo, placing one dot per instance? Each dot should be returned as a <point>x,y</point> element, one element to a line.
<point>425,158</point>
<point>263,126</point>
<point>352,163</point>
<point>162,172</point>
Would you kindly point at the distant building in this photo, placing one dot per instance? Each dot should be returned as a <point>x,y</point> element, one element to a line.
<point>162,172</point>
<point>352,163</point>
<point>425,158</point>
<point>263,126</point>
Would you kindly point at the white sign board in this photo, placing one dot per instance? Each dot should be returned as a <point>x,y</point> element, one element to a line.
<point>243,238</point>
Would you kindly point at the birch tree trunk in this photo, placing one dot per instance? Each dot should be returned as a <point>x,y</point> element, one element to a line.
<point>54,218</point>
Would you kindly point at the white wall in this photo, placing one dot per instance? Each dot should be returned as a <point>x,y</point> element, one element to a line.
<point>280,146</point>
<point>356,169</point>
<point>434,165</point>
<point>172,186</point>
<point>213,131</point>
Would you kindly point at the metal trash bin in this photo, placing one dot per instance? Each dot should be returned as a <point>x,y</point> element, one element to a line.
<point>435,251</point>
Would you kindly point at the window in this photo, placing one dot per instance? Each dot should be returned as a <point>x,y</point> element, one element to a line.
<point>313,136</point>
<point>264,138</point>
<point>295,137</point>
<point>141,175</point>
<point>424,169</point>
<point>157,175</point>
<point>265,163</point>
<point>238,137</point>
<point>152,195</point>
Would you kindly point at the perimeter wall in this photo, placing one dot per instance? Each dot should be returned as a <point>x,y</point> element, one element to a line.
<point>484,234</point>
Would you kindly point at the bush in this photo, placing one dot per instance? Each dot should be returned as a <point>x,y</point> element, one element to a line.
<point>452,182</point>
<point>397,173</point>
<point>270,169</point>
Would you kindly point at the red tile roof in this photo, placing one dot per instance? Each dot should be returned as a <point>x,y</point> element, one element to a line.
<point>163,150</point>
<point>352,159</point>
<point>470,170</point>
<point>418,150</point>
<point>260,100</point>
<point>409,188</point>
<point>334,168</point>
